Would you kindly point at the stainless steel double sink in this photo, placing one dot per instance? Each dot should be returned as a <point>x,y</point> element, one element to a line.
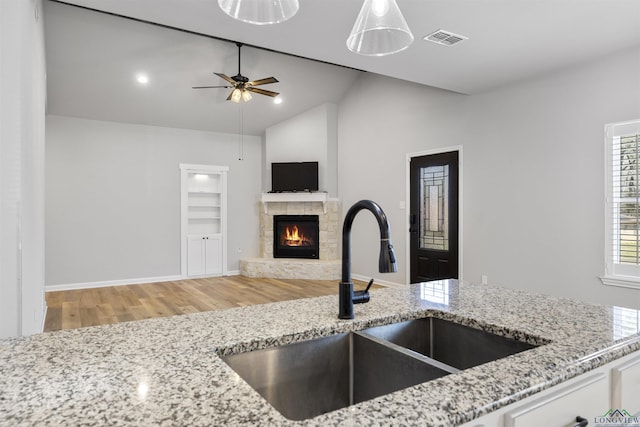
<point>309,378</point>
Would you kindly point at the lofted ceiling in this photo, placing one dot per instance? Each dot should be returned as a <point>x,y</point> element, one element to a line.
<point>93,60</point>
<point>92,57</point>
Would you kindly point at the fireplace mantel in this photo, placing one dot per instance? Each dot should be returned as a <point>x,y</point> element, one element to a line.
<point>319,196</point>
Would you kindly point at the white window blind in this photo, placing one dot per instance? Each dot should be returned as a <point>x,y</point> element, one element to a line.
<point>622,206</point>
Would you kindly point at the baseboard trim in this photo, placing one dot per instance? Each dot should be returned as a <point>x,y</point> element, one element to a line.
<point>233,273</point>
<point>104,284</point>
<point>378,281</point>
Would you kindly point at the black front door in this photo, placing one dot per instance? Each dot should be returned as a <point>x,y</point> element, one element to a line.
<point>434,217</point>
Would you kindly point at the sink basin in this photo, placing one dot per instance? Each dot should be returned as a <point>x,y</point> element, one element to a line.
<point>456,345</point>
<point>309,378</point>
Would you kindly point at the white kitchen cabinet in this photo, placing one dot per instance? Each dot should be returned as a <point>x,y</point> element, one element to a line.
<point>203,220</point>
<point>625,386</point>
<point>587,398</point>
<point>615,385</point>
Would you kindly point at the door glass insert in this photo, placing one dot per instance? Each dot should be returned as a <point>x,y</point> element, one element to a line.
<point>434,209</point>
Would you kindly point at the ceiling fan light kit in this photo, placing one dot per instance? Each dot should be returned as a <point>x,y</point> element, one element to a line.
<point>241,85</point>
<point>380,29</point>
<point>236,94</point>
<point>260,12</point>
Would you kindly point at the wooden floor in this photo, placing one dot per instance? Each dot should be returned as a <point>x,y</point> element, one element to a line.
<point>101,306</point>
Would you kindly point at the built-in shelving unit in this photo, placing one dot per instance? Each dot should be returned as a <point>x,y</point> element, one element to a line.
<point>204,220</point>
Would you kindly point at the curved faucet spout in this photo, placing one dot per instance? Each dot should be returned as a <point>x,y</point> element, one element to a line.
<point>386,263</point>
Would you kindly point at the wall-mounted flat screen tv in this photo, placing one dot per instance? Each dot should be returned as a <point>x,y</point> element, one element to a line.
<point>294,176</point>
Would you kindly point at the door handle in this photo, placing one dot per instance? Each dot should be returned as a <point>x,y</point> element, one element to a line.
<point>412,223</point>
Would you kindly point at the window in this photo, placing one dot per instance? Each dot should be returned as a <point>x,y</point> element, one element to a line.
<point>622,204</point>
<point>434,214</point>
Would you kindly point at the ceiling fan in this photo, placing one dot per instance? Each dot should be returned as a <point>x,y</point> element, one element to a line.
<point>242,86</point>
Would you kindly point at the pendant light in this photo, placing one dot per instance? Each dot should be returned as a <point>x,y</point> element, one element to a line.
<point>260,12</point>
<point>379,30</point>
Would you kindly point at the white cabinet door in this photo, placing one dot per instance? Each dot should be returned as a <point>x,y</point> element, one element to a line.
<point>213,254</point>
<point>587,398</point>
<point>615,385</point>
<point>204,255</point>
<point>625,386</point>
<point>195,255</point>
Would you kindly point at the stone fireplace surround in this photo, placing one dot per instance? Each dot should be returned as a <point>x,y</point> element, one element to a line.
<point>327,267</point>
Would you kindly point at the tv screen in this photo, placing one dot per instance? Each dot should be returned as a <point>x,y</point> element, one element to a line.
<point>294,176</point>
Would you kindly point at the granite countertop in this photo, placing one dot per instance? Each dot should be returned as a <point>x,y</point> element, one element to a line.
<point>167,371</point>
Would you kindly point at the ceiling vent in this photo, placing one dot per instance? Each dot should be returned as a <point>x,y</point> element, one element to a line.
<point>446,38</point>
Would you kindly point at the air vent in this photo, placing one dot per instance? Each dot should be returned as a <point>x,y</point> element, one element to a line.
<point>446,38</point>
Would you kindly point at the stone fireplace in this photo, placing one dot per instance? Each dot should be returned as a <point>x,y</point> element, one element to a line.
<point>324,266</point>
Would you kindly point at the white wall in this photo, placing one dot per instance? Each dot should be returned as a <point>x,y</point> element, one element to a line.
<point>533,214</point>
<point>534,173</point>
<point>22,99</point>
<point>380,120</point>
<point>307,137</point>
<point>113,198</point>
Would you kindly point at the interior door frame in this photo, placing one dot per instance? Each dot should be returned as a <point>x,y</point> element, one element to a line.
<point>457,148</point>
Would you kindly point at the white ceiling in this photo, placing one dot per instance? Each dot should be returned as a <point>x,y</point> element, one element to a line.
<point>91,57</point>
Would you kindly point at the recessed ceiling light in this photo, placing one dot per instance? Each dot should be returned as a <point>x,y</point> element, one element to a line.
<point>142,79</point>
<point>277,100</point>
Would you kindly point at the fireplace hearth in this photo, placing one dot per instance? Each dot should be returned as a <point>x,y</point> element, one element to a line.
<point>296,236</point>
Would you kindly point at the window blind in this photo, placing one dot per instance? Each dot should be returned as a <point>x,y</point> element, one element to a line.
<point>623,200</point>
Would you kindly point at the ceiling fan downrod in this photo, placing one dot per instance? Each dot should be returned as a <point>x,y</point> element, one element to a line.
<point>240,76</point>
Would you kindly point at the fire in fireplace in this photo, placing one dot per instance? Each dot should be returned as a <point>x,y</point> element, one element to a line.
<point>296,236</point>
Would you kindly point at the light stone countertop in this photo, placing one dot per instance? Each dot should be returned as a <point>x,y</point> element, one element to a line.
<point>167,372</point>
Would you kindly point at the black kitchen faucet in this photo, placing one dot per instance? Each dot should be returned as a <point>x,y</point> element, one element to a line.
<point>387,263</point>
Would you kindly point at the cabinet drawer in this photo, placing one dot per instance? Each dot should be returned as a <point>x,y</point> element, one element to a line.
<point>587,398</point>
<point>625,386</point>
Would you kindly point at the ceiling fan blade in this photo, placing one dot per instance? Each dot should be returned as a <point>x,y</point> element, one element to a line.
<point>262,91</point>
<point>209,87</point>
<point>227,78</point>
<point>264,81</point>
<point>229,97</point>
